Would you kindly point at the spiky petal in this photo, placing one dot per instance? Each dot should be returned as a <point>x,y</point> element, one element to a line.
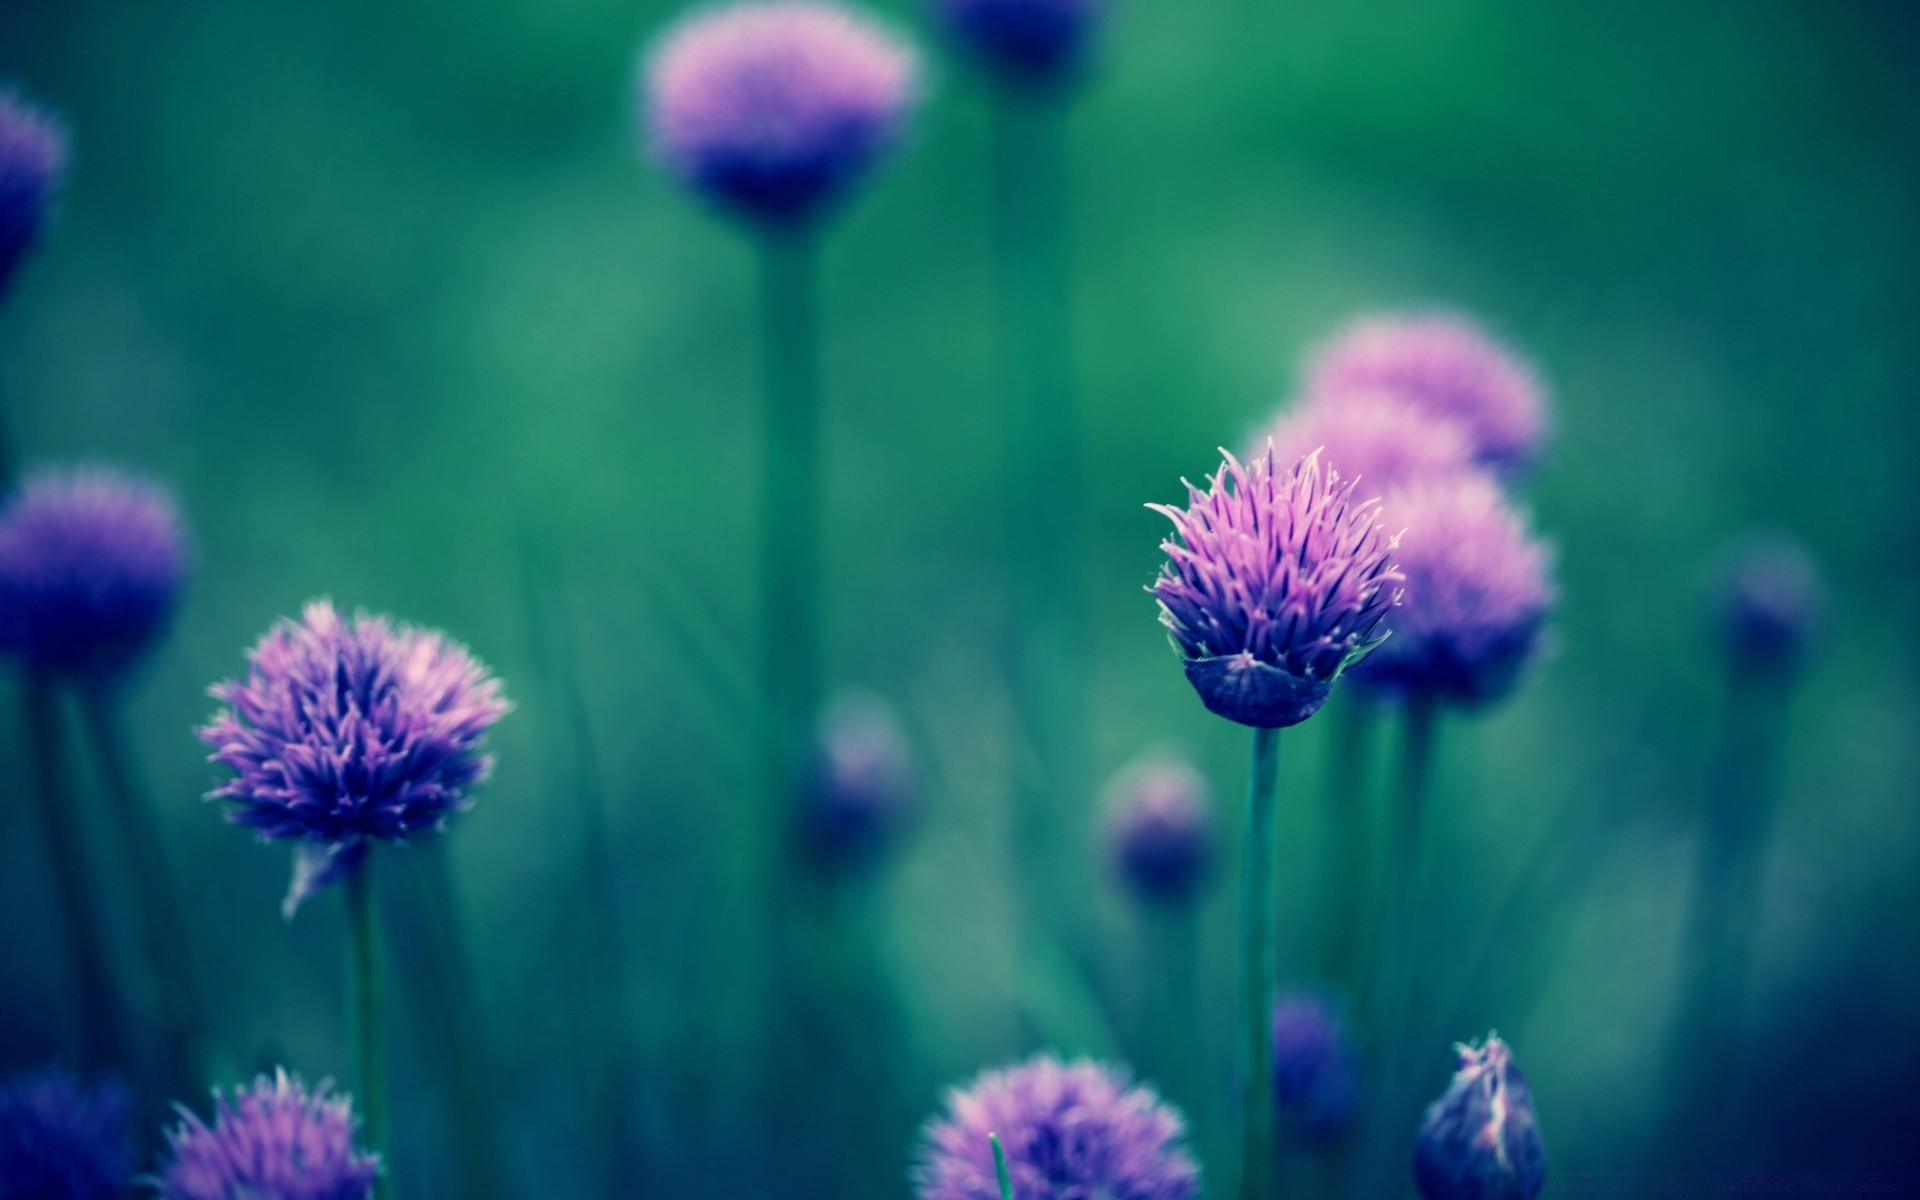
<point>1275,582</point>
<point>347,732</point>
<point>1479,1140</point>
<point>275,1140</point>
<point>775,109</point>
<point>1451,367</point>
<point>1072,1131</point>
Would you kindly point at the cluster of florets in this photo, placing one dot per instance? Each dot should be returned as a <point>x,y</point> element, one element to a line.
<point>275,1140</point>
<point>350,731</point>
<point>774,109</point>
<point>1275,582</point>
<point>1071,1131</point>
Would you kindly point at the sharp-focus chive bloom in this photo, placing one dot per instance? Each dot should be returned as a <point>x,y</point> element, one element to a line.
<point>1273,585</point>
<point>347,732</point>
<point>1316,1071</point>
<point>63,1140</point>
<point>1072,1131</point>
<point>275,1140</point>
<point>773,110</point>
<point>1479,1140</point>
<point>33,163</point>
<point>1376,439</point>
<point>91,568</point>
<point>860,796</point>
<point>1477,595</point>
<point>1447,365</point>
<point>1766,603</point>
<point>1036,44</point>
<point>1159,831</point>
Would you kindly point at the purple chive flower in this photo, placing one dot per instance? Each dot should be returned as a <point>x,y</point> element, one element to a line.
<point>1479,1140</point>
<point>1447,365</point>
<point>1376,439</point>
<point>347,732</point>
<point>1028,43</point>
<point>63,1140</point>
<point>1158,825</point>
<point>275,1140</point>
<point>1274,586</point>
<point>1478,592</point>
<point>1072,1131</point>
<point>91,567</point>
<point>1316,1071</point>
<point>860,794</point>
<point>1766,603</point>
<point>774,110</point>
<point>33,163</point>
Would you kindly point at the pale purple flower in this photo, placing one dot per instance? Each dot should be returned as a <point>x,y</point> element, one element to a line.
<point>1480,1141</point>
<point>1448,366</point>
<point>1378,440</point>
<point>1159,830</point>
<point>1274,583</point>
<point>92,563</point>
<point>860,795</point>
<point>61,1139</point>
<point>33,164</point>
<point>346,732</point>
<point>1072,1131</point>
<point>1316,1069</point>
<point>774,109</point>
<point>1766,603</point>
<point>275,1140</point>
<point>1477,595</point>
<point>1029,43</point>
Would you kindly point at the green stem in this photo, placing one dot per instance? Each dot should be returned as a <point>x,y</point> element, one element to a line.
<point>1000,1166</point>
<point>1042,491</point>
<point>368,1016</point>
<point>102,1036</point>
<point>165,924</point>
<point>1257,971</point>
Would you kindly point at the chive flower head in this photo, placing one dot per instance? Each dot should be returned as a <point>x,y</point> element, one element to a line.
<point>33,165</point>
<point>1766,604</point>
<point>348,731</point>
<point>1376,439</point>
<point>1479,589</point>
<point>1316,1069</point>
<point>61,1139</point>
<point>1479,1140</point>
<point>773,109</point>
<point>1275,581</point>
<point>1159,829</point>
<point>275,1140</point>
<point>860,796</point>
<point>92,564</point>
<point>1033,44</point>
<point>1449,366</point>
<point>1071,1131</point>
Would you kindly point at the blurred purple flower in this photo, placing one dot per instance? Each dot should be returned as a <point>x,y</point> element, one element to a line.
<point>1316,1071</point>
<point>1377,440</point>
<point>1766,603</point>
<point>1273,586</point>
<point>1158,827</point>
<point>63,1140</point>
<point>91,567</point>
<point>1448,366</point>
<point>775,109</point>
<point>1072,1131</point>
<point>348,732</point>
<point>860,796</point>
<point>1029,43</point>
<point>33,164</point>
<point>1479,1141</point>
<point>272,1141</point>
<point>1478,592</point>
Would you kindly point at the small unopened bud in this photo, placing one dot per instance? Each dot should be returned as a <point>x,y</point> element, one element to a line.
<point>1479,1140</point>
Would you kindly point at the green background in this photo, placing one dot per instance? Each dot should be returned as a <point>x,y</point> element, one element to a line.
<point>386,293</point>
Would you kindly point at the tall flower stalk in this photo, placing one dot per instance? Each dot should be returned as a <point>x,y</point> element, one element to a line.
<point>1275,581</point>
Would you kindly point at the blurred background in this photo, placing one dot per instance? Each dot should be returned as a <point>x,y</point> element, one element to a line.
<point>385,292</point>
